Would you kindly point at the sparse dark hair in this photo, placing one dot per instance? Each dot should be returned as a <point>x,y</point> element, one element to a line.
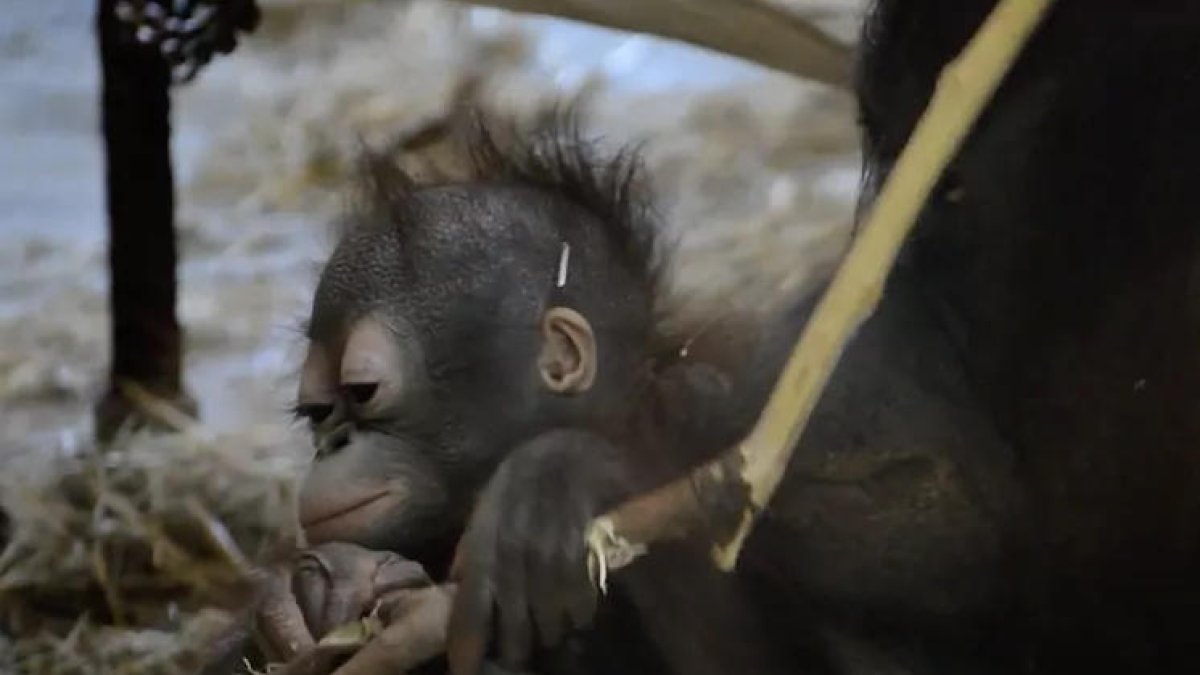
<point>555,155</point>
<point>548,152</point>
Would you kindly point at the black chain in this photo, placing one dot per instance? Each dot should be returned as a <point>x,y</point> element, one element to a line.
<point>188,33</point>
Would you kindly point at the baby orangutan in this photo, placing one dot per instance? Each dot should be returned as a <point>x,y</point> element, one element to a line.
<point>484,376</point>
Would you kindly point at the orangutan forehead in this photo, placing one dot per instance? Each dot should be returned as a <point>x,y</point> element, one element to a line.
<point>547,154</point>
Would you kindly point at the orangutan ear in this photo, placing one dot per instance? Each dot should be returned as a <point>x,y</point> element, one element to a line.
<point>567,362</point>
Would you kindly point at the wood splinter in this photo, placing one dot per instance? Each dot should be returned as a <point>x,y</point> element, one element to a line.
<point>747,475</point>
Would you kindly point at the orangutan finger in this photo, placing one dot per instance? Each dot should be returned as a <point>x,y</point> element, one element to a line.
<point>395,573</point>
<point>417,634</point>
<point>312,661</point>
<point>279,623</point>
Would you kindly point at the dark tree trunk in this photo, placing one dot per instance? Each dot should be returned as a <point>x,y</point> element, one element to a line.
<point>136,106</point>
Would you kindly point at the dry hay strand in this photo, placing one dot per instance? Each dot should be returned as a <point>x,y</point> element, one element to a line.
<point>138,559</point>
<point>106,650</point>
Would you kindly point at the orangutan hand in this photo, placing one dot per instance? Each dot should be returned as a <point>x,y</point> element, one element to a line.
<point>326,587</point>
<point>334,584</point>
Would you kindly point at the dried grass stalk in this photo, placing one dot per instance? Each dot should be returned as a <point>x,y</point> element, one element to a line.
<point>137,559</point>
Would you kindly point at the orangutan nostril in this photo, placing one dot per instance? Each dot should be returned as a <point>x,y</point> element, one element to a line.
<point>361,392</point>
<point>329,443</point>
<point>315,412</point>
